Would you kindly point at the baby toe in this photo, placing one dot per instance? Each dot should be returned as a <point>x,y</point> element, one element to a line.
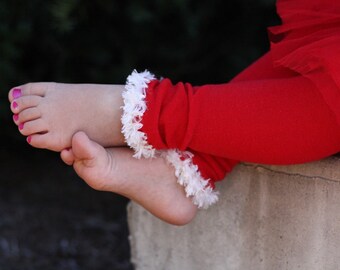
<point>37,89</point>
<point>67,156</point>
<point>14,93</point>
<point>29,89</point>
<point>27,115</point>
<point>33,127</point>
<point>38,140</point>
<point>46,140</point>
<point>24,102</point>
<point>16,119</point>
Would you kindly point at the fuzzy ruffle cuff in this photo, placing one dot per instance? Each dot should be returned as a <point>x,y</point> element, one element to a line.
<point>187,173</point>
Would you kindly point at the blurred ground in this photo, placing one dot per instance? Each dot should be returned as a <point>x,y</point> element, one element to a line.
<point>50,219</point>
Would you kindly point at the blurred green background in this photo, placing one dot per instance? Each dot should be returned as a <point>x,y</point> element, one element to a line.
<point>78,41</point>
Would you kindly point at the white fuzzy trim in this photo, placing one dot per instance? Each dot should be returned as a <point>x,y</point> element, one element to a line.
<point>133,110</point>
<point>190,178</point>
<point>186,172</point>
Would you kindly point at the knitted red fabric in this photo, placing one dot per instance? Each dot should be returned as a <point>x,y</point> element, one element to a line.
<point>272,121</point>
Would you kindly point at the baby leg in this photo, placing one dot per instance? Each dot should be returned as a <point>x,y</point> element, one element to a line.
<point>50,113</point>
<point>151,183</point>
<point>272,121</point>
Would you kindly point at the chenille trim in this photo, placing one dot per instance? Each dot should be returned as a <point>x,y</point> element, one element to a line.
<point>190,178</point>
<point>187,173</point>
<point>133,110</point>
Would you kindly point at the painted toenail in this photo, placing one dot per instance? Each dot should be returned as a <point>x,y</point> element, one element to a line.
<point>28,139</point>
<point>15,117</point>
<point>21,126</point>
<point>16,93</point>
<point>14,105</point>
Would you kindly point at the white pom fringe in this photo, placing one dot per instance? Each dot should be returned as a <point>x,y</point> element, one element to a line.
<point>186,172</point>
<point>190,178</point>
<point>133,110</point>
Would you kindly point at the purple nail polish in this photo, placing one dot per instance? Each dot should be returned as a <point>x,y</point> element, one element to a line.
<point>21,126</point>
<point>15,117</point>
<point>14,104</point>
<point>16,93</point>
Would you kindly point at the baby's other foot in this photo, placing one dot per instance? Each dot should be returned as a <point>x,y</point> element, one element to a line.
<point>150,182</point>
<point>50,113</point>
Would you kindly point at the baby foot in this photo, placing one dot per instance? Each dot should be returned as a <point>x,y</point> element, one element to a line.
<point>50,113</point>
<point>149,182</point>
